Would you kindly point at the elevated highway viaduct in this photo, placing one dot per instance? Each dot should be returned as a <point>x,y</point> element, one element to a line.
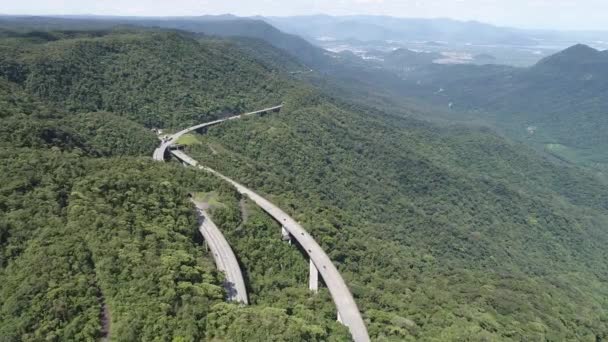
<point>161,152</point>
<point>320,263</point>
<point>224,257</point>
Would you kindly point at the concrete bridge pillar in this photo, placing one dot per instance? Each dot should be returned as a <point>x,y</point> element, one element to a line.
<point>285,235</point>
<point>340,318</point>
<point>313,281</point>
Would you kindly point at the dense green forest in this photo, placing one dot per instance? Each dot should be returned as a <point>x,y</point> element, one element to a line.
<point>443,233</point>
<point>484,238</point>
<point>84,229</point>
<point>558,105</point>
<point>156,79</point>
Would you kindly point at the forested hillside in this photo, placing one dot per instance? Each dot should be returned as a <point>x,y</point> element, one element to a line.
<point>559,104</point>
<point>89,236</point>
<point>156,79</point>
<point>442,233</point>
<point>221,26</point>
<point>449,234</point>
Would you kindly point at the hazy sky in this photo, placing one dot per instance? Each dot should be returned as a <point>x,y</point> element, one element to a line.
<point>559,14</point>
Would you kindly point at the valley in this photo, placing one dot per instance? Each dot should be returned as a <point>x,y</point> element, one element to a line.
<point>475,213</point>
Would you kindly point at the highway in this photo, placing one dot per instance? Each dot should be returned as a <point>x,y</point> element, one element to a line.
<point>347,307</point>
<point>159,153</point>
<point>348,312</point>
<point>224,257</point>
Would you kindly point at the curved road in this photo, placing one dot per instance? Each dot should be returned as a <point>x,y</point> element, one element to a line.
<point>224,257</point>
<point>159,153</point>
<point>347,307</point>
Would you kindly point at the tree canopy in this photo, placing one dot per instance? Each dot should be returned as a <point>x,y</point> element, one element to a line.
<point>443,233</point>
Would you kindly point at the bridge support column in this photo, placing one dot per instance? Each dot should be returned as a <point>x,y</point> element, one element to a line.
<point>313,280</point>
<point>285,235</point>
<point>340,318</point>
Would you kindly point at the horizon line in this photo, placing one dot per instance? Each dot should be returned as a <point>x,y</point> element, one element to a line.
<point>505,26</point>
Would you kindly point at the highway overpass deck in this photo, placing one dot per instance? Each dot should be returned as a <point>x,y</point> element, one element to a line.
<point>346,306</point>
<point>223,256</point>
<point>161,151</point>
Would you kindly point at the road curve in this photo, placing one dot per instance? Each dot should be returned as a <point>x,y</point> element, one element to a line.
<point>345,303</point>
<point>159,153</point>
<point>224,257</point>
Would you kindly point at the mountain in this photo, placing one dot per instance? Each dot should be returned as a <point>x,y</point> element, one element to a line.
<point>400,29</point>
<point>476,207</point>
<point>437,31</point>
<point>443,233</point>
<point>577,56</point>
<point>223,26</point>
<point>165,97</point>
<point>559,104</point>
<point>96,237</point>
<point>404,58</point>
<point>242,27</point>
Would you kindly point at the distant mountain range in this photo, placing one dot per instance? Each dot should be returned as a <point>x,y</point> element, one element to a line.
<point>399,29</point>
<point>563,99</point>
<point>361,28</point>
<point>223,26</point>
<point>560,103</point>
<point>370,28</point>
